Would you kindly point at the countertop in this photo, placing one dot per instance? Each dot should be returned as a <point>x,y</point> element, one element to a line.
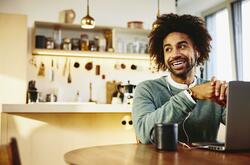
<point>66,108</point>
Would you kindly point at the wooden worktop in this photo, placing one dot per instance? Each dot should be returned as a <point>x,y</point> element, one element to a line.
<point>66,108</point>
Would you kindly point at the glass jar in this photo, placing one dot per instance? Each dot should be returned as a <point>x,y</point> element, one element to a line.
<point>66,45</point>
<point>57,36</point>
<point>75,43</point>
<point>84,42</point>
<point>49,43</point>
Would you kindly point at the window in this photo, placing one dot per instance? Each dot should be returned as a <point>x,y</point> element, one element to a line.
<point>246,40</point>
<point>220,59</point>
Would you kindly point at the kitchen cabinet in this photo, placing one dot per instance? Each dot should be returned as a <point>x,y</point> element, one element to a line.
<point>52,39</point>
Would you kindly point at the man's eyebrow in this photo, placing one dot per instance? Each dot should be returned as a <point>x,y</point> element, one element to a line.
<point>165,45</point>
<point>181,42</point>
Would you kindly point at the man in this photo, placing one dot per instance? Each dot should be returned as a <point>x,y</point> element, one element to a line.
<point>179,44</point>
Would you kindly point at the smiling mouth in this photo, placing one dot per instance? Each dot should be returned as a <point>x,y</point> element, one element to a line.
<point>178,62</point>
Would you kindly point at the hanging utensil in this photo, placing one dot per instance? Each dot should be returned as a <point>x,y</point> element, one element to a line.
<point>97,70</point>
<point>57,64</point>
<point>76,65</point>
<point>65,67</point>
<point>69,75</point>
<point>41,70</point>
<point>90,93</point>
<point>133,67</point>
<point>52,73</point>
<point>89,66</point>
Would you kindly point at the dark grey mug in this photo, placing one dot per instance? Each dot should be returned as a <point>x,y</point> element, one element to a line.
<point>166,136</point>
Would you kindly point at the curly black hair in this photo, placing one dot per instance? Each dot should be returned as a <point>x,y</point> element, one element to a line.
<point>193,26</point>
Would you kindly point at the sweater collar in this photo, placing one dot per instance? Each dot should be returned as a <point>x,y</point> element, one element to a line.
<point>179,85</point>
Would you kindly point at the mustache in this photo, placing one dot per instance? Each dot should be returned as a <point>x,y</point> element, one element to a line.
<point>170,60</point>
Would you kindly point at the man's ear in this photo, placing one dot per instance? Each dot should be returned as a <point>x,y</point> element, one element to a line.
<point>197,53</point>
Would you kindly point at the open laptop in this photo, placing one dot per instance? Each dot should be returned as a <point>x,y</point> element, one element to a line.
<point>237,119</point>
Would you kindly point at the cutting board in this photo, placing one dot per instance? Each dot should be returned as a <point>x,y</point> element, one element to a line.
<point>111,87</point>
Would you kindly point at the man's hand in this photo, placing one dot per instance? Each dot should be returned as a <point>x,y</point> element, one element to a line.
<point>203,91</point>
<point>214,90</point>
<point>221,91</point>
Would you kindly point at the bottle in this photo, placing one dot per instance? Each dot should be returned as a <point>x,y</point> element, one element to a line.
<point>84,42</point>
<point>57,36</point>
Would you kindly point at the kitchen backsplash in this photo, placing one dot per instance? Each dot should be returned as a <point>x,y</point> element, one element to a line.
<point>69,78</point>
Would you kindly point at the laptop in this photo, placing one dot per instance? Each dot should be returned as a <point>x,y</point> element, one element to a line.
<point>237,119</point>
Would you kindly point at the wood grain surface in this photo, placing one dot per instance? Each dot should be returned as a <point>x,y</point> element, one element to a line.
<point>140,154</point>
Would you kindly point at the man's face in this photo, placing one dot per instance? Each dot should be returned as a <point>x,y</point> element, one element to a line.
<point>179,54</point>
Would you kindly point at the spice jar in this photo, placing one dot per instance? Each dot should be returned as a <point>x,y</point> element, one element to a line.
<point>49,43</point>
<point>75,43</point>
<point>84,42</point>
<point>66,45</point>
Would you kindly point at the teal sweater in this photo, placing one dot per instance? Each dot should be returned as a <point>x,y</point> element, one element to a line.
<point>153,103</point>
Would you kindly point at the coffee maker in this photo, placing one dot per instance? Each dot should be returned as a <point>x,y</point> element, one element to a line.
<point>32,94</point>
<point>129,93</point>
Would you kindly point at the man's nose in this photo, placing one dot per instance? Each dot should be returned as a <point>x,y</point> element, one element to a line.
<point>175,52</point>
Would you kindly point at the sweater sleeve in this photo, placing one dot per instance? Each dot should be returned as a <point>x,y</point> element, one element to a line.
<point>145,113</point>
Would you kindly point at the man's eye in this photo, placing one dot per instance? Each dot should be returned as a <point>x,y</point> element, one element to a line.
<point>168,49</point>
<point>182,46</point>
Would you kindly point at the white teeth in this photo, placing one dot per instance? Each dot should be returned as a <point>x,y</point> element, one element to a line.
<point>178,63</point>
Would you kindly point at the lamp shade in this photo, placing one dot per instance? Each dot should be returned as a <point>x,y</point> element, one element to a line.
<point>87,22</point>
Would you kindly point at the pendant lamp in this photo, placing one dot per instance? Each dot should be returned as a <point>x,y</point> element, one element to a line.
<point>87,22</point>
<point>154,25</point>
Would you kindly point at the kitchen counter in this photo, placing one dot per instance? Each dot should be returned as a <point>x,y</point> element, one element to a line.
<point>49,130</point>
<point>65,107</point>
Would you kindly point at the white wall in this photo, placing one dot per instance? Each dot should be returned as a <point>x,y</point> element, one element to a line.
<point>13,55</point>
<point>195,7</point>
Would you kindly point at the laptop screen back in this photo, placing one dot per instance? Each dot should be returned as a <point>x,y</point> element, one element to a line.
<point>238,116</point>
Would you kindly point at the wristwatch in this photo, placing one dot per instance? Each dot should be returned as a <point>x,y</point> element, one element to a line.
<point>191,93</point>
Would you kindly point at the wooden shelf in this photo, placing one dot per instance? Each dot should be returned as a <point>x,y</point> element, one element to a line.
<point>89,54</point>
<point>52,25</point>
<point>74,30</point>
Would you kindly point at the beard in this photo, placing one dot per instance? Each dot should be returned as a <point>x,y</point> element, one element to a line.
<point>180,66</point>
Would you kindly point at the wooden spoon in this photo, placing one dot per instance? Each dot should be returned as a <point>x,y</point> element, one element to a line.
<point>69,76</point>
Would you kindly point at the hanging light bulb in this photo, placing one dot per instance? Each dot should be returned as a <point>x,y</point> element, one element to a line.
<point>87,22</point>
<point>154,25</point>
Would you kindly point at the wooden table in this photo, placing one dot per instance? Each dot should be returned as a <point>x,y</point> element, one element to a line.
<point>140,154</point>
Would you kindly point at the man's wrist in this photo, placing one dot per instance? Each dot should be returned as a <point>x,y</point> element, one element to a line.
<point>191,93</point>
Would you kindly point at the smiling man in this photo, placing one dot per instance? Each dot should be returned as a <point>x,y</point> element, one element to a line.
<point>179,44</point>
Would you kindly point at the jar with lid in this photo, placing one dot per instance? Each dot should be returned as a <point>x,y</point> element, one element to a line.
<point>84,42</point>
<point>49,43</point>
<point>66,45</point>
<point>94,44</point>
<point>75,43</point>
<point>97,43</point>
